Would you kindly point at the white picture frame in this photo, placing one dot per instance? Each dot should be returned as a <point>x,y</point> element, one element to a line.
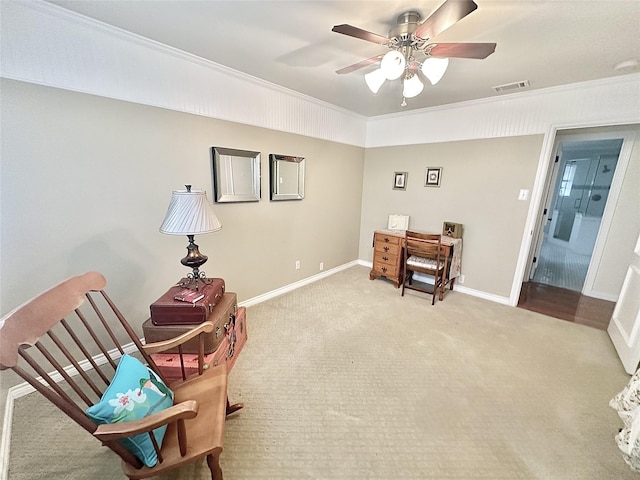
<point>398,222</point>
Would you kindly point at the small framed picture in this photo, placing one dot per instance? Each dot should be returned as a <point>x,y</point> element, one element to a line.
<point>432,177</point>
<point>453,230</point>
<point>400,180</point>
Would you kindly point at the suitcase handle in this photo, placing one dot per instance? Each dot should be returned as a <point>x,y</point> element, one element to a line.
<point>232,322</point>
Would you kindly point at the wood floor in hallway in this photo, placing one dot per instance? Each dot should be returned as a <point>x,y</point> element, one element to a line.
<point>566,304</point>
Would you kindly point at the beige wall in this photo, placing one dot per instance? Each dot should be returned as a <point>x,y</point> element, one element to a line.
<point>86,182</point>
<point>479,188</point>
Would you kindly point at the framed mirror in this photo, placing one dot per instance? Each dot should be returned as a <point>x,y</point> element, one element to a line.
<point>236,175</point>
<point>287,177</point>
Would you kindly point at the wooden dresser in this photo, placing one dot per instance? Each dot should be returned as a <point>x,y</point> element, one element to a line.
<point>387,255</point>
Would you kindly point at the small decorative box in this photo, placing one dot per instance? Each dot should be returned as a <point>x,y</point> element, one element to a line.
<point>451,229</point>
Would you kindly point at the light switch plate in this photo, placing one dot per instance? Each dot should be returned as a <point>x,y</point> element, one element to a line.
<point>524,194</point>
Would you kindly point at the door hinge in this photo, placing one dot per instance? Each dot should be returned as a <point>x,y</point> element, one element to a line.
<point>544,212</point>
<point>557,159</point>
<point>535,259</point>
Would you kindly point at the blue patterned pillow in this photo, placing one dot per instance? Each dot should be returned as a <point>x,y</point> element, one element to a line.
<point>135,392</point>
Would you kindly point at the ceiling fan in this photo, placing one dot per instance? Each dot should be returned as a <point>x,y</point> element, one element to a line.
<point>410,50</point>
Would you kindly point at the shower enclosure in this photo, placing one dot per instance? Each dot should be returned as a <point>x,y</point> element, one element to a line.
<point>582,194</point>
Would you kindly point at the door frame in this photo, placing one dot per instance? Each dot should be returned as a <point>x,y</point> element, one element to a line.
<point>628,139</point>
<point>541,184</point>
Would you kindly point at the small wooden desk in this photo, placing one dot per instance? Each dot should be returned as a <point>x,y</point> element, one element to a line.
<point>387,256</point>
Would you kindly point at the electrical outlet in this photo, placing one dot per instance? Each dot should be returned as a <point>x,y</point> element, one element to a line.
<point>321,266</point>
<point>461,279</point>
<point>297,264</point>
<point>523,195</point>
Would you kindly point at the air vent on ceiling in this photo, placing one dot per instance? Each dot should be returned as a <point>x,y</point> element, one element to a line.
<point>511,86</point>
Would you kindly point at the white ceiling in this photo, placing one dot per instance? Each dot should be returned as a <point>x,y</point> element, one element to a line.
<point>290,43</point>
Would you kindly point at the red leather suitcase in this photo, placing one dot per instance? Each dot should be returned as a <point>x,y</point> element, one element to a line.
<point>223,315</point>
<point>169,311</point>
<point>228,351</point>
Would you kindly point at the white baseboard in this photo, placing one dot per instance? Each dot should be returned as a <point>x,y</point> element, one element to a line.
<point>6,434</point>
<point>601,296</point>
<point>487,296</point>
<point>293,286</point>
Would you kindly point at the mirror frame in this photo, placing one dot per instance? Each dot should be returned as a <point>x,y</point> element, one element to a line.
<point>274,167</point>
<point>221,174</point>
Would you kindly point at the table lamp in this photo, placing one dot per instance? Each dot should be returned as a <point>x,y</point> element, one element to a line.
<point>190,214</point>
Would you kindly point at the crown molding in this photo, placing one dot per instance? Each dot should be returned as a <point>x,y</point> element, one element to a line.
<point>45,44</point>
<point>128,36</point>
<point>613,82</point>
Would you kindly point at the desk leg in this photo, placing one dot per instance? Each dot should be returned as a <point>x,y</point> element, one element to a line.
<point>233,408</point>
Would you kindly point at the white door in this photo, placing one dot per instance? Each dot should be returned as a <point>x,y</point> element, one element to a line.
<point>545,215</point>
<point>624,327</point>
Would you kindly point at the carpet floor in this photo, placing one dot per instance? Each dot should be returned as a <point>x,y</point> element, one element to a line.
<point>346,379</point>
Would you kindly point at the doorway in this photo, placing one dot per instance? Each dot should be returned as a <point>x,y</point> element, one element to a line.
<point>582,178</point>
<point>582,186</point>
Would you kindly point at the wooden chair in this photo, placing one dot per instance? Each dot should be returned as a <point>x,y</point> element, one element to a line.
<point>423,253</point>
<point>76,324</point>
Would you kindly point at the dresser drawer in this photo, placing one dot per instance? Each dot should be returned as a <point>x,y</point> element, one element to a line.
<point>390,247</point>
<point>385,258</point>
<point>383,270</point>
<point>384,239</point>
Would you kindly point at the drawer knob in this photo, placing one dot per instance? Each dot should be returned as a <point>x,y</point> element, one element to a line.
<point>385,248</point>
<point>385,258</point>
<point>386,239</point>
<point>384,269</point>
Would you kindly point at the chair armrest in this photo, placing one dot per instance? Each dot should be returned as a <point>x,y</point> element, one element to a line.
<point>158,347</point>
<point>115,431</point>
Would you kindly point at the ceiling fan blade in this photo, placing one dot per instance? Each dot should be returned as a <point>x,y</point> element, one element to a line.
<point>359,65</point>
<point>460,50</point>
<point>448,14</point>
<point>359,33</point>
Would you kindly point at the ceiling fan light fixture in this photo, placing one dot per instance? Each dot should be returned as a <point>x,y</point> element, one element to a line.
<point>434,68</point>
<point>393,64</point>
<point>375,80</point>
<point>412,87</point>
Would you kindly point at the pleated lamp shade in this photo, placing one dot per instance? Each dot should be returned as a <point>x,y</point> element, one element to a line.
<point>190,213</point>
